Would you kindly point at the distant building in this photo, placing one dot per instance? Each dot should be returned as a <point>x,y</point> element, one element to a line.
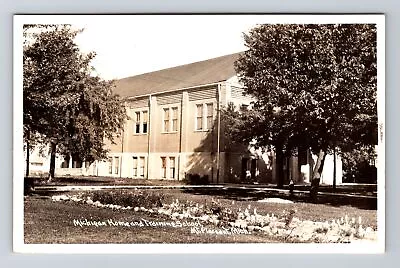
<point>175,131</point>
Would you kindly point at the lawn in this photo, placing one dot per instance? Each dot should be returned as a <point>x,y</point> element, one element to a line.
<point>53,222</point>
<point>304,211</point>
<point>48,222</point>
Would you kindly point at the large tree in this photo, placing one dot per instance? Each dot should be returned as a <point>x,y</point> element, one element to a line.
<point>314,87</point>
<point>64,104</point>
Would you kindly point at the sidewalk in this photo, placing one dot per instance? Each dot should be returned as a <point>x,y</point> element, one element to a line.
<point>214,187</point>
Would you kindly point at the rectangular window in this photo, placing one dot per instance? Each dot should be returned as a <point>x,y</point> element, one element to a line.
<point>116,168</point>
<point>172,167</point>
<point>174,118</point>
<point>145,119</point>
<point>163,167</point>
<point>166,120</point>
<point>135,164</point>
<point>199,116</point>
<point>204,116</point>
<point>137,123</point>
<point>209,115</point>
<point>170,119</point>
<point>141,122</point>
<point>141,166</point>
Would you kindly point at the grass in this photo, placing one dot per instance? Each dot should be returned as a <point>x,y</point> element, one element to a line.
<point>304,211</point>
<point>48,222</point>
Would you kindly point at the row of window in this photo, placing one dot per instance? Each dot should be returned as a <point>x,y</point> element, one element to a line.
<point>203,119</point>
<point>168,166</point>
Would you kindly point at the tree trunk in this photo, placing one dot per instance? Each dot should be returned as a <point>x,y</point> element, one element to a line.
<point>52,160</point>
<point>279,165</point>
<point>334,169</point>
<point>316,176</point>
<point>27,158</point>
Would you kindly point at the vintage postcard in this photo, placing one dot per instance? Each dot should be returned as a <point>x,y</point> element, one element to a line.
<point>199,133</point>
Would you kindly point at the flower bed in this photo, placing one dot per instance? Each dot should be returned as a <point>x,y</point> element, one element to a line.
<point>288,227</point>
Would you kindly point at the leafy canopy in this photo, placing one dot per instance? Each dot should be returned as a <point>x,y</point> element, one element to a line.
<point>63,102</point>
<point>314,86</point>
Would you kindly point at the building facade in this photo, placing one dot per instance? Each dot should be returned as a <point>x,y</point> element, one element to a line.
<point>175,131</point>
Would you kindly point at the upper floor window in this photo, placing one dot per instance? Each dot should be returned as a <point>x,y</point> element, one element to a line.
<point>174,118</point>
<point>141,122</point>
<point>199,116</point>
<point>204,116</point>
<point>170,119</point>
<point>137,122</point>
<point>145,119</point>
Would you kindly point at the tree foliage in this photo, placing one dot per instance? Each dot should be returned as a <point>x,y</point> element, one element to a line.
<point>314,87</point>
<point>71,109</point>
<point>359,165</point>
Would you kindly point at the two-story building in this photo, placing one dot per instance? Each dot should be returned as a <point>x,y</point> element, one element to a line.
<point>175,130</point>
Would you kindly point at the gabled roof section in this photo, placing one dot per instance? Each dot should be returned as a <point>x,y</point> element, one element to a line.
<point>184,76</point>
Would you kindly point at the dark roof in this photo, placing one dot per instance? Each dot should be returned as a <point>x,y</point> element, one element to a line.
<point>188,75</point>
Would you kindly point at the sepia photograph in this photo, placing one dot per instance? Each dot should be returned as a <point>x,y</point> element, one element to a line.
<point>236,133</point>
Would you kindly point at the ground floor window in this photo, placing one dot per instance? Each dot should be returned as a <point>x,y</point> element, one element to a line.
<point>172,167</point>
<point>249,168</point>
<point>116,166</point>
<point>113,165</point>
<point>110,165</point>
<point>138,166</point>
<point>65,163</point>
<point>163,167</point>
<point>141,167</point>
<point>168,167</point>
<point>135,162</point>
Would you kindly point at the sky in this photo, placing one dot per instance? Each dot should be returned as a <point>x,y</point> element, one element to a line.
<point>128,45</point>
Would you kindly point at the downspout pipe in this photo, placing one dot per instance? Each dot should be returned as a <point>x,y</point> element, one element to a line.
<point>122,152</point>
<point>218,128</point>
<point>180,138</point>
<point>148,137</point>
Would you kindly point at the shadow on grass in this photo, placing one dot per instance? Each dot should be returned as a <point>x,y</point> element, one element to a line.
<point>256,194</point>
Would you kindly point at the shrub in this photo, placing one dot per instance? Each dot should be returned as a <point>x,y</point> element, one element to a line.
<point>129,198</point>
<point>196,179</point>
<point>29,183</point>
<point>358,167</point>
